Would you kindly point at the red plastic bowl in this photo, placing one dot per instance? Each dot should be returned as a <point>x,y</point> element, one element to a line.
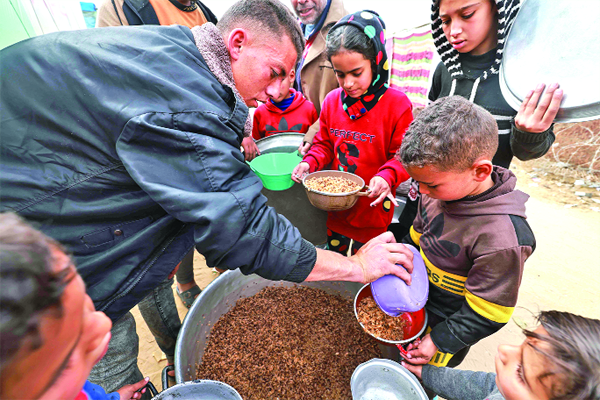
<point>416,321</point>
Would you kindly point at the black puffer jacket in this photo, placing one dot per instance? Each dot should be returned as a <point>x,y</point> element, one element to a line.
<point>122,145</point>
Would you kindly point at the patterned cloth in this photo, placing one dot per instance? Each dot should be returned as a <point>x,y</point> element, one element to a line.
<point>373,26</point>
<point>412,52</point>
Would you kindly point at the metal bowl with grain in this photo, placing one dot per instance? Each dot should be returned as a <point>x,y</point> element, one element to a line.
<point>335,201</point>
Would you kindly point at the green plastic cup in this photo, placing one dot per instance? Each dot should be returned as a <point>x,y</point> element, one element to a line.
<point>275,169</point>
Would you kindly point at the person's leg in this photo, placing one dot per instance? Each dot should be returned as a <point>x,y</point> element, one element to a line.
<point>119,366</point>
<point>160,313</point>
<point>337,242</point>
<point>187,288</point>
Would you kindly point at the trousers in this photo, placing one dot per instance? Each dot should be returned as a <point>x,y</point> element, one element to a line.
<point>119,366</point>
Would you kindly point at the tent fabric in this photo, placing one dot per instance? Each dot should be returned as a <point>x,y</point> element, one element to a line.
<point>412,54</point>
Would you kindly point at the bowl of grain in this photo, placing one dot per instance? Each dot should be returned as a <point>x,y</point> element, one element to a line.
<point>334,190</point>
<point>388,330</point>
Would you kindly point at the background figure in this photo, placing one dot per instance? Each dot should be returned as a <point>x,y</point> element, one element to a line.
<point>470,38</point>
<point>314,74</point>
<point>289,112</point>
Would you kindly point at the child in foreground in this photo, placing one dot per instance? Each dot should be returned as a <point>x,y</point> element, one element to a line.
<point>558,360</point>
<point>470,228</point>
<point>50,334</point>
<point>290,112</point>
<point>362,126</point>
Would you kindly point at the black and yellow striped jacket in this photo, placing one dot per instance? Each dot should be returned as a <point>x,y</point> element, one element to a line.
<point>474,250</point>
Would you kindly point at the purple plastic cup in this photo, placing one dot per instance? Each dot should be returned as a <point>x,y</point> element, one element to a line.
<point>395,297</point>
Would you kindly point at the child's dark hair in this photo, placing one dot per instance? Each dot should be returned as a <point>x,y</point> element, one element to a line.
<point>451,134</point>
<point>28,286</point>
<point>350,38</point>
<point>572,355</point>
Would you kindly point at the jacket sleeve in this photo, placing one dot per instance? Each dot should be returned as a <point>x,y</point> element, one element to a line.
<point>110,13</point>
<point>436,83</point>
<point>309,136</point>
<point>490,297</point>
<point>202,179</point>
<point>529,146</point>
<point>455,384</point>
<point>321,152</point>
<point>392,171</point>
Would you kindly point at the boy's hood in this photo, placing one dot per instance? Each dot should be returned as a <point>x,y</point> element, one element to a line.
<point>297,102</point>
<point>501,200</point>
<point>507,11</point>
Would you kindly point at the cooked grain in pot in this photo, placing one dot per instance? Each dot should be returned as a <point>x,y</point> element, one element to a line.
<point>288,343</point>
<point>378,323</point>
<point>331,184</point>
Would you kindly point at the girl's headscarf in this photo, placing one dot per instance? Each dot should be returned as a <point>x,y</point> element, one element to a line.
<point>373,26</point>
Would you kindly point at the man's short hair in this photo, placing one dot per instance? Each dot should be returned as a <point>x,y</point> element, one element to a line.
<point>451,134</point>
<point>269,17</point>
<point>28,285</point>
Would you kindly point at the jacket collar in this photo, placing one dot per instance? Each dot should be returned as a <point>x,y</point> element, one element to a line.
<point>336,12</point>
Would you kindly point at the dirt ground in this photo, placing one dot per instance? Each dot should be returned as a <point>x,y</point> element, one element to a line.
<point>562,274</point>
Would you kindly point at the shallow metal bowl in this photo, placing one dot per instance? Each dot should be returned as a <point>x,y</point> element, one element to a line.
<point>334,201</point>
<point>555,41</point>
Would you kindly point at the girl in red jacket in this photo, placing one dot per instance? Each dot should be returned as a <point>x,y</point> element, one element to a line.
<point>362,126</point>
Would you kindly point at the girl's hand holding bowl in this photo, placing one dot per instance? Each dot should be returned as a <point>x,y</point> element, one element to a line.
<point>300,171</point>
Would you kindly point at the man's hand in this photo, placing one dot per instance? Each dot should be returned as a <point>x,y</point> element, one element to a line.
<point>423,352</point>
<point>300,171</point>
<point>383,256</point>
<point>536,118</point>
<point>304,147</point>
<point>250,149</point>
<point>128,392</point>
<point>380,189</point>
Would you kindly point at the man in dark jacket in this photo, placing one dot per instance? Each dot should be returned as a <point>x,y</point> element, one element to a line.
<point>123,144</point>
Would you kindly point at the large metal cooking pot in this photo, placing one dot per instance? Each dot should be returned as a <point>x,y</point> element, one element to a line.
<point>292,203</point>
<point>555,41</point>
<point>218,297</point>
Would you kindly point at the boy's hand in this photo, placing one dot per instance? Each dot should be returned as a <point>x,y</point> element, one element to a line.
<point>415,369</point>
<point>536,118</point>
<point>128,392</point>
<point>380,189</point>
<point>423,352</point>
<point>250,149</point>
<point>300,171</point>
<point>304,147</point>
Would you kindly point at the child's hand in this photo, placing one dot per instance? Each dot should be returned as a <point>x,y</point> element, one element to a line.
<point>380,189</point>
<point>415,369</point>
<point>250,149</point>
<point>300,171</point>
<point>304,147</point>
<point>128,392</point>
<point>423,352</point>
<point>536,118</point>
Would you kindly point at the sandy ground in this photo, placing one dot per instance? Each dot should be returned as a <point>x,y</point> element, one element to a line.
<point>562,274</point>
